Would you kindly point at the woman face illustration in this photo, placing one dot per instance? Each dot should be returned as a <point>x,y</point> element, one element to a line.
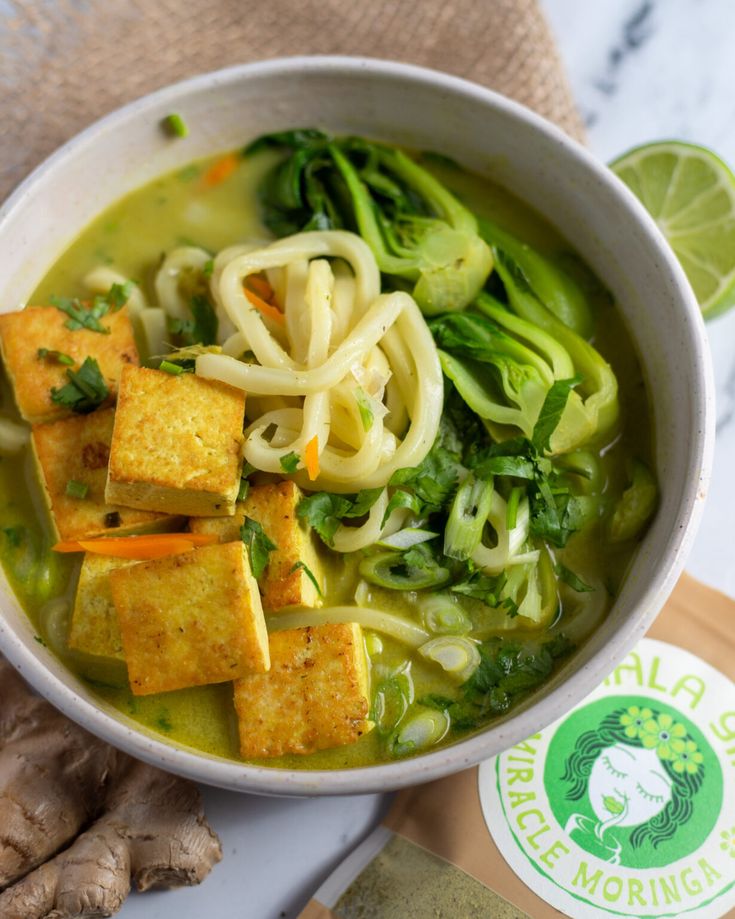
<point>628,783</point>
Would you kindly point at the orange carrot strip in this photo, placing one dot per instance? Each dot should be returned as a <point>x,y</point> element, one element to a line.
<point>220,170</point>
<point>154,545</point>
<point>311,457</point>
<point>261,287</point>
<point>272,312</point>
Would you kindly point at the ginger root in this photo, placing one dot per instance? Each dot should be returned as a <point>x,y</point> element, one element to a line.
<point>57,781</point>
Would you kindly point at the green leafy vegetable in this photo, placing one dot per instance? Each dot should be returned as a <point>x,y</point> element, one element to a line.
<point>323,510</point>
<point>508,671</point>
<point>551,412</point>
<point>415,227</point>
<point>82,316</point>
<point>258,544</point>
<point>574,581</point>
<point>85,391</point>
<point>556,289</point>
<point>201,329</point>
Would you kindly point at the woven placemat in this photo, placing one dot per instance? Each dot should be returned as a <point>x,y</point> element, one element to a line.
<point>64,63</point>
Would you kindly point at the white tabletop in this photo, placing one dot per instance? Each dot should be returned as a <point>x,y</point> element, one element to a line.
<point>641,70</point>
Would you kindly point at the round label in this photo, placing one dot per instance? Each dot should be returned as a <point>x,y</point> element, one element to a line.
<point>626,805</point>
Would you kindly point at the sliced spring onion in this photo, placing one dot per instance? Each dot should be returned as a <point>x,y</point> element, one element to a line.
<point>168,367</point>
<point>442,615</point>
<point>467,517</point>
<point>459,657</point>
<point>424,729</point>
<point>512,509</point>
<point>406,538</point>
<point>389,569</point>
<point>13,436</point>
<point>398,627</point>
<point>366,412</point>
<point>76,489</point>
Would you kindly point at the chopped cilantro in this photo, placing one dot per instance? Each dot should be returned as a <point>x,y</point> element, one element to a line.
<point>308,572</point>
<point>574,581</point>
<point>54,357</point>
<point>244,488</point>
<point>324,510</point>
<point>76,489</point>
<point>551,412</point>
<point>208,268</point>
<point>508,671</point>
<point>290,462</point>
<point>201,329</point>
<point>85,391</point>
<point>88,317</point>
<point>258,543</point>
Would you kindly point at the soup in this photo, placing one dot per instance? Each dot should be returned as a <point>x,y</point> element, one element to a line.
<point>439,501</point>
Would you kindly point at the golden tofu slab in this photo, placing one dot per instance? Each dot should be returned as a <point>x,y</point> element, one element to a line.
<point>77,449</point>
<point>94,627</point>
<point>176,444</point>
<point>190,619</point>
<point>283,583</point>
<point>315,696</point>
<point>24,332</point>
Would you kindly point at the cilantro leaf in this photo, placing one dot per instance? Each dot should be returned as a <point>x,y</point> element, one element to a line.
<point>258,543</point>
<point>324,510</point>
<point>82,316</point>
<point>480,586</point>
<point>508,670</point>
<point>308,572</point>
<point>574,581</point>
<point>201,329</point>
<point>85,391</point>
<point>551,412</point>
<point>54,357</point>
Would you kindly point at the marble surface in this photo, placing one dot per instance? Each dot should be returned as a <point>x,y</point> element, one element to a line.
<point>641,71</point>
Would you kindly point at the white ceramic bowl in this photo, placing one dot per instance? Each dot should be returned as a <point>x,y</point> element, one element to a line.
<point>490,135</point>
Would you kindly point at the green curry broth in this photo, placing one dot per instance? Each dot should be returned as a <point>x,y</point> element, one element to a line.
<point>178,209</point>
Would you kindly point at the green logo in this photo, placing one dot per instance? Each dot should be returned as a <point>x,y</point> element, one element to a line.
<point>626,805</point>
<point>635,782</point>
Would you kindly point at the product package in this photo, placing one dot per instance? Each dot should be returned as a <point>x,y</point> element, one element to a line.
<point>625,806</point>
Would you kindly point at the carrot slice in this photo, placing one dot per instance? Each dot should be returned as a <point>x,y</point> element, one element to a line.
<point>154,545</point>
<point>261,287</point>
<point>220,170</point>
<point>272,312</point>
<point>311,457</point>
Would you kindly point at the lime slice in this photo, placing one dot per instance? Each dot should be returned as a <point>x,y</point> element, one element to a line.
<point>690,193</point>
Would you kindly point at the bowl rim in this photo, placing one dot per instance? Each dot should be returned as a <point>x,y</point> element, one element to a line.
<point>244,777</point>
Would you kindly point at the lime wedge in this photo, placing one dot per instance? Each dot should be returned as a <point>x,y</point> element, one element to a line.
<point>690,193</point>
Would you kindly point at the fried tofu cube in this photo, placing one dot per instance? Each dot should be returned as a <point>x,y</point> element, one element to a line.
<point>284,582</point>
<point>190,619</point>
<point>94,628</point>
<point>24,332</point>
<point>176,444</point>
<point>77,450</point>
<point>315,696</point>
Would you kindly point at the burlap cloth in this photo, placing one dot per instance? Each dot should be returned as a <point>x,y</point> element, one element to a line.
<point>64,63</point>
